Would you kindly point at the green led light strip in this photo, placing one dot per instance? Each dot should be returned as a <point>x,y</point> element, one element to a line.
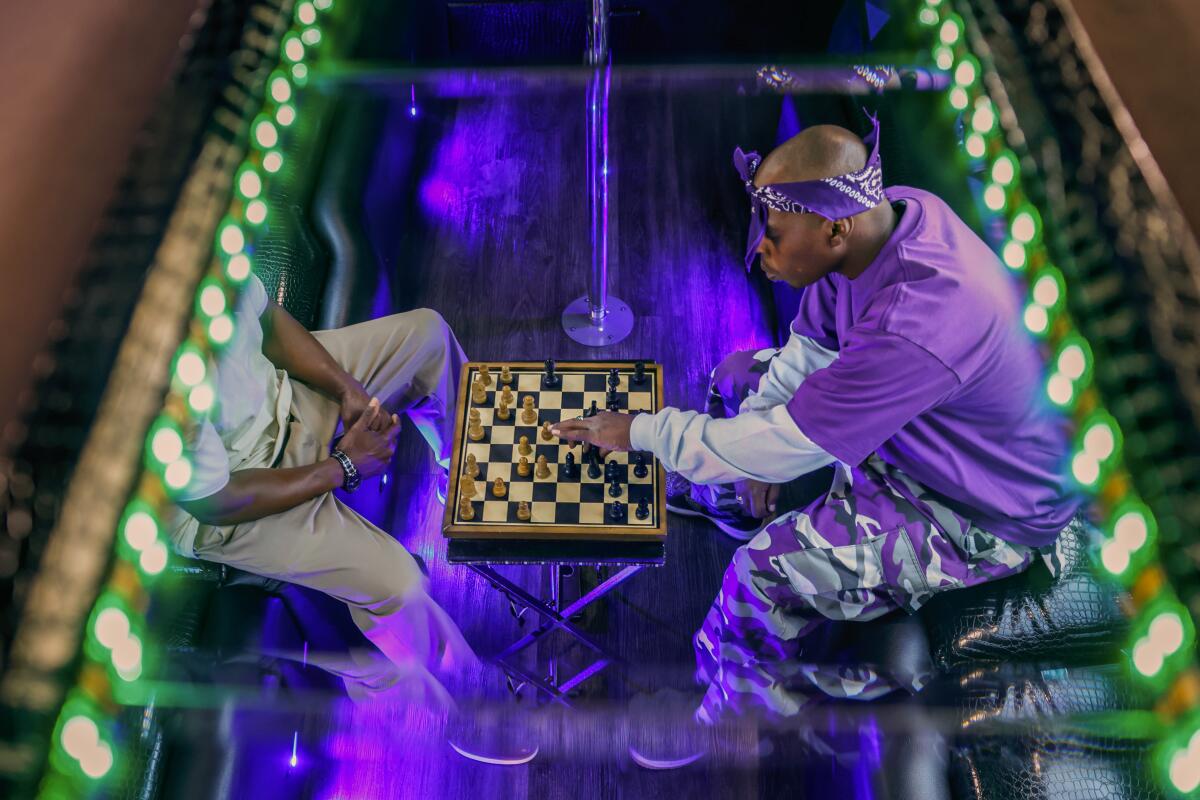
<point>1163,636</point>
<point>116,654</point>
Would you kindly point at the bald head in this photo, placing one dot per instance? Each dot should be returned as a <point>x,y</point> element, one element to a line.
<point>822,151</point>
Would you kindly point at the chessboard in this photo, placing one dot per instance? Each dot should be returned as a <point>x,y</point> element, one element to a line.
<point>562,494</point>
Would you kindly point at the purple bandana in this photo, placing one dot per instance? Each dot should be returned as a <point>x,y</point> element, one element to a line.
<point>833,198</point>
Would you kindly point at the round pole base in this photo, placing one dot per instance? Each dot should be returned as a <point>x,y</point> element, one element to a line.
<point>615,326</point>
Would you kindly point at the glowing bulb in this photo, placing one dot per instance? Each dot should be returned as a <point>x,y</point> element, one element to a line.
<point>1185,770</point>
<point>1099,442</point>
<point>306,13</point>
<point>1004,170</point>
<point>950,31</point>
<point>212,299</point>
<point>965,73</point>
<point>1147,658</point>
<point>127,653</point>
<point>273,161</point>
<point>976,146</point>
<point>959,98</point>
<point>265,134</point>
<point>1072,362</point>
<point>994,197</point>
<point>927,16</point>
<point>238,268</point>
<point>293,50</point>
<point>1131,530</point>
<point>943,57</point>
<point>1014,255</point>
<point>1046,291</point>
<point>311,36</point>
<point>984,118</point>
<point>300,74</point>
<point>1085,469</point>
<point>220,330</point>
<point>166,445</point>
<point>281,90</point>
<point>1036,319</point>
<point>201,398</point>
<point>285,115</point>
<point>153,559</point>
<point>323,5</point>
<point>232,239</point>
<point>1060,389</point>
<point>1166,632</point>
<point>1024,227</point>
<point>1115,557</point>
<point>140,530</point>
<point>249,184</point>
<point>112,627</point>
<point>97,761</point>
<point>190,368</point>
<point>79,736</point>
<point>256,212</point>
<point>178,473</point>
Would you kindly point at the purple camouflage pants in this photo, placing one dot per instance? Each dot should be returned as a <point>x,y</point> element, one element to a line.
<point>876,542</point>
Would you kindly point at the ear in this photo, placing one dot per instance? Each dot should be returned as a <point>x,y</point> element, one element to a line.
<point>838,231</point>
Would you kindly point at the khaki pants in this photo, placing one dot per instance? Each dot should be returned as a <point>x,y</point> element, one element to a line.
<point>411,363</point>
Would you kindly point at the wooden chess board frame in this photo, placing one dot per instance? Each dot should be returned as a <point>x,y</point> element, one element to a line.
<point>479,529</point>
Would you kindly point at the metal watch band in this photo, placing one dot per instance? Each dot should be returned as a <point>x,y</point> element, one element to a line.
<point>352,479</point>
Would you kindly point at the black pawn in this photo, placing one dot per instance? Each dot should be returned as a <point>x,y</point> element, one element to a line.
<point>569,469</point>
<point>614,488</point>
<point>593,411</point>
<point>643,509</point>
<point>639,466</point>
<point>639,373</point>
<point>610,470</point>
<point>616,511</point>
<point>550,380</point>
<point>614,378</point>
<point>611,400</point>
<point>593,468</point>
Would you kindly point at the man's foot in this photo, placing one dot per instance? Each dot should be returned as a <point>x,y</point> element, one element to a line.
<point>664,733</point>
<point>735,524</point>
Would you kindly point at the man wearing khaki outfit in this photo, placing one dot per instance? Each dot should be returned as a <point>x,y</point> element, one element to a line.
<point>261,499</point>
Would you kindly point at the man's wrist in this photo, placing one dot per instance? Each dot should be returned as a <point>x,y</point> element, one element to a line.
<point>351,478</point>
<point>348,386</point>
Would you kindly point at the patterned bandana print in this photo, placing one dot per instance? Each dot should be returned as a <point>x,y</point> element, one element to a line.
<point>833,198</point>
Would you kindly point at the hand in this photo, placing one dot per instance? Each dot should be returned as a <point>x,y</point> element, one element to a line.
<point>607,430</point>
<point>371,441</point>
<point>354,400</point>
<point>757,499</point>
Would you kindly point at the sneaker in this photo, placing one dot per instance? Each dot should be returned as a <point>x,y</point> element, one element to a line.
<point>733,523</point>
<point>664,732</point>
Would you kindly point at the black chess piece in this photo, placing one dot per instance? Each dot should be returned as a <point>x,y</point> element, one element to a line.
<point>593,468</point>
<point>639,373</point>
<point>591,412</point>
<point>639,466</point>
<point>614,378</point>
<point>643,509</point>
<point>611,400</point>
<point>610,470</point>
<point>616,511</point>
<point>614,488</point>
<point>569,469</point>
<point>551,380</point>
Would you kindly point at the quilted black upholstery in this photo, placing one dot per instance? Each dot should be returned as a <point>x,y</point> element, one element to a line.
<point>1031,617</point>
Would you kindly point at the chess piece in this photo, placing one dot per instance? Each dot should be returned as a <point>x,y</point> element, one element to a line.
<point>616,511</point>
<point>639,466</point>
<point>523,446</point>
<point>523,467</point>
<point>550,380</point>
<point>478,392</point>
<point>507,396</point>
<point>610,470</point>
<point>543,469</point>
<point>475,426</point>
<point>471,470</point>
<point>498,488</point>
<point>505,375</point>
<point>611,401</point>
<point>614,378</point>
<point>466,510</point>
<point>591,412</point>
<point>466,487</point>
<point>643,509</point>
<point>523,513</point>
<point>485,375</point>
<point>639,373</point>
<point>614,488</point>
<point>502,411</point>
<point>546,434</point>
<point>569,468</point>
<point>593,467</point>
<point>528,414</point>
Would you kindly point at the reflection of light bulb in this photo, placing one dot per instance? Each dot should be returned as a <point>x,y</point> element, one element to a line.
<point>190,368</point>
<point>238,267</point>
<point>1059,388</point>
<point>1036,319</point>
<point>212,299</point>
<point>1185,770</point>
<point>1115,557</point>
<point>154,558</point>
<point>1130,530</point>
<point>1014,255</point>
<point>112,627</point>
<point>1147,658</point>
<point>140,530</point>
<point>1099,442</point>
<point>1045,291</point>
<point>1166,632</point>
<point>1023,227</point>
<point>178,473</point>
<point>97,761</point>
<point>201,398</point>
<point>993,197</point>
<point>220,330</point>
<point>1085,468</point>
<point>127,654</point>
<point>167,446</point>
<point>232,239</point>
<point>1071,362</point>
<point>79,735</point>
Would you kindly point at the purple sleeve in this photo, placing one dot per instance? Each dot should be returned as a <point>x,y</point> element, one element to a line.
<point>815,317</point>
<point>878,384</point>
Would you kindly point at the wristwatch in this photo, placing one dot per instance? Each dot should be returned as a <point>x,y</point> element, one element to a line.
<point>352,478</point>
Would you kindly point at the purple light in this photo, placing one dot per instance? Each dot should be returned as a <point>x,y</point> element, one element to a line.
<point>296,734</point>
<point>412,111</point>
<point>412,105</point>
